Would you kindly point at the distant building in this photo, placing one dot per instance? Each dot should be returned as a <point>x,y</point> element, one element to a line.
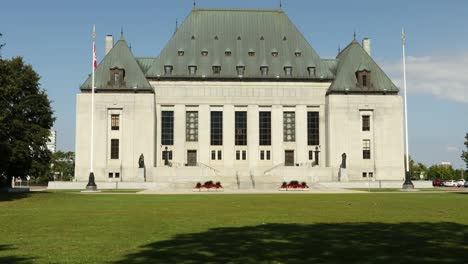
<point>445,164</point>
<point>52,141</point>
<point>238,95</point>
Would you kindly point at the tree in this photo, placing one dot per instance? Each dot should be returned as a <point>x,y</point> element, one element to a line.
<point>443,172</point>
<point>464,155</point>
<point>63,165</point>
<point>25,120</point>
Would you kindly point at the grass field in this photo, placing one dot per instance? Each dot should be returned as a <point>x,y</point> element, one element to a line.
<point>69,227</point>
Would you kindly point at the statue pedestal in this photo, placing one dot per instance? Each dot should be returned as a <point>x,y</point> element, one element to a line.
<point>343,175</point>
<point>141,176</point>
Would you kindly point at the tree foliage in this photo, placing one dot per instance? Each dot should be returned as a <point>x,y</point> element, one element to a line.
<point>464,155</point>
<point>63,165</point>
<point>25,121</point>
<point>443,172</point>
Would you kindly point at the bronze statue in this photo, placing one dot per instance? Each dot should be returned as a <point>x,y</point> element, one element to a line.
<point>141,161</point>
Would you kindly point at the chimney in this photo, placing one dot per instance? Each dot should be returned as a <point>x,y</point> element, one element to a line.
<point>109,43</point>
<point>367,45</point>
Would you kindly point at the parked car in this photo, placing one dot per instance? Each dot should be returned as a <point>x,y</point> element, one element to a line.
<point>438,182</point>
<point>466,184</point>
<point>451,183</point>
<point>461,183</point>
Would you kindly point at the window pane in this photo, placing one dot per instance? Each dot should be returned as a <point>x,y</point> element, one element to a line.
<point>237,154</point>
<point>268,155</point>
<point>191,126</point>
<point>366,150</point>
<point>216,128</point>
<point>167,127</point>
<point>241,128</point>
<point>265,128</point>
<point>114,149</point>
<point>115,122</point>
<point>366,123</point>
<point>313,135</point>
<point>289,126</point>
<point>244,155</point>
<point>220,156</point>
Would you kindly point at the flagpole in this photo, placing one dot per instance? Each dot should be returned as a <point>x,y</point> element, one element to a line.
<point>91,184</point>
<point>407,184</point>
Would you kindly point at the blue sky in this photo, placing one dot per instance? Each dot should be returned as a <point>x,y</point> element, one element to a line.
<point>55,37</point>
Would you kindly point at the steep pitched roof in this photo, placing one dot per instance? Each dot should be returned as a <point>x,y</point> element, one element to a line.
<point>119,56</point>
<point>352,59</point>
<point>240,32</point>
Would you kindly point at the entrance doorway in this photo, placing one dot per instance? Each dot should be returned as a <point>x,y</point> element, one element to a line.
<point>289,158</point>
<point>191,158</point>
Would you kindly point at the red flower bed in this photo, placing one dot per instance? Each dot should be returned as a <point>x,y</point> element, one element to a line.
<point>294,185</point>
<point>209,185</point>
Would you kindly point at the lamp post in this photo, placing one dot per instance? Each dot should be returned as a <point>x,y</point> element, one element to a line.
<point>316,155</point>
<point>166,156</point>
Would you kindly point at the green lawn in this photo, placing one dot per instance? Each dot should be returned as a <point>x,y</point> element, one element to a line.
<point>69,227</point>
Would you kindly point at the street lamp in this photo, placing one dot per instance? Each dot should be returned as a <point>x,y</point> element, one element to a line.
<point>316,155</point>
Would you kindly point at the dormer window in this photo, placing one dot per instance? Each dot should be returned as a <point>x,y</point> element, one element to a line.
<point>192,69</point>
<point>274,53</point>
<point>227,53</point>
<point>180,53</point>
<point>264,70</point>
<point>288,71</point>
<point>312,71</point>
<point>251,53</point>
<point>216,69</point>
<point>117,77</point>
<point>168,69</point>
<point>363,78</point>
<point>240,70</point>
<point>297,54</point>
<point>204,53</point>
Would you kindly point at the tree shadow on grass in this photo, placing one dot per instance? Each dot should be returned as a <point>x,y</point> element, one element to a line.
<point>5,196</point>
<point>315,243</point>
<point>13,259</point>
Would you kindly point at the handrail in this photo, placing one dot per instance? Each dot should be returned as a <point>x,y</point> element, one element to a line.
<point>209,167</point>
<point>272,168</point>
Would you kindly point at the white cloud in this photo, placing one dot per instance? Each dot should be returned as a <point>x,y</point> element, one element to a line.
<point>441,76</point>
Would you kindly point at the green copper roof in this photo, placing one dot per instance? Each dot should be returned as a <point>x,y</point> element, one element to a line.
<point>352,59</point>
<point>119,56</point>
<point>234,37</point>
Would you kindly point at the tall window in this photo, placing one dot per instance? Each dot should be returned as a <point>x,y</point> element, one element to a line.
<point>241,128</point>
<point>216,128</point>
<point>115,122</point>
<point>265,128</point>
<point>114,149</point>
<point>191,126</point>
<point>289,126</point>
<point>167,127</point>
<point>313,135</point>
<point>366,149</point>
<point>366,123</point>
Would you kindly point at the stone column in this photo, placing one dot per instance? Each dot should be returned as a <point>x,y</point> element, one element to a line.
<point>228,136</point>
<point>253,135</point>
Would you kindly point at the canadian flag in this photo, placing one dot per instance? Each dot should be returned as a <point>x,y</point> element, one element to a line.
<point>94,57</point>
<point>94,48</point>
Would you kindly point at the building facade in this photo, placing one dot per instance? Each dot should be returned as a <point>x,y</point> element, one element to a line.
<point>240,96</point>
<point>52,141</point>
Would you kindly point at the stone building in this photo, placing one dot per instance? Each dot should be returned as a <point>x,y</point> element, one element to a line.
<point>240,96</point>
